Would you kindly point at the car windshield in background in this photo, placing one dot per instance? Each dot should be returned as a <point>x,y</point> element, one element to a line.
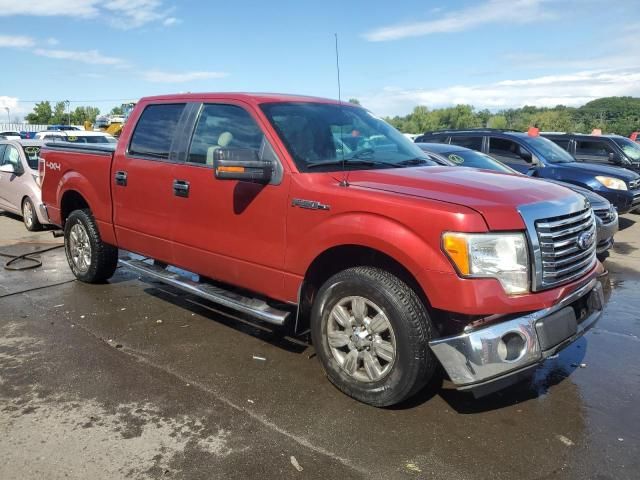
<point>550,151</point>
<point>327,136</point>
<point>78,139</point>
<point>32,152</point>
<point>630,148</point>
<point>473,159</point>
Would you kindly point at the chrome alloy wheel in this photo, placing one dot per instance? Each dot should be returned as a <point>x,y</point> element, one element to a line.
<point>80,248</point>
<point>361,339</point>
<point>28,213</point>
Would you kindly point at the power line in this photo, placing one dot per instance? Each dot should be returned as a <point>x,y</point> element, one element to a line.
<point>78,101</point>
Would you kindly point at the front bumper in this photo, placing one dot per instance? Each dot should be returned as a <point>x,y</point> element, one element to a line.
<point>490,358</point>
<point>605,234</point>
<point>43,215</point>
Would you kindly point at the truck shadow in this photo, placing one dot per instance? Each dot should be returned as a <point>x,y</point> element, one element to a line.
<point>277,336</point>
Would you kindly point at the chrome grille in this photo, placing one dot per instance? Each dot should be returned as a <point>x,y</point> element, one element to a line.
<point>563,258</point>
<point>607,215</point>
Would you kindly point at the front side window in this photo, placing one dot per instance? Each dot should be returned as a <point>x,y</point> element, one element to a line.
<point>155,130</point>
<point>593,149</point>
<point>509,151</point>
<point>328,137</point>
<point>224,126</point>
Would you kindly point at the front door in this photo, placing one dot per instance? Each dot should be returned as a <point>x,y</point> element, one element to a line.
<point>142,177</point>
<point>229,230</point>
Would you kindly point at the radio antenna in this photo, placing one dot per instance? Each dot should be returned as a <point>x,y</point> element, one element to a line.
<point>345,181</point>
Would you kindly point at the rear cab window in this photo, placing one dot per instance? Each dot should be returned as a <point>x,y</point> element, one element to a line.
<point>155,131</point>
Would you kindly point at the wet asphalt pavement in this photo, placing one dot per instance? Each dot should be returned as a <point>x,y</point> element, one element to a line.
<point>133,379</point>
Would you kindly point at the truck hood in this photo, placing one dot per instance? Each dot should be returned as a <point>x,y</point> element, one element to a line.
<point>594,169</point>
<point>495,196</point>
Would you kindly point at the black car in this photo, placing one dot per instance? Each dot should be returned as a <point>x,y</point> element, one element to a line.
<point>452,155</point>
<point>540,157</point>
<point>600,149</point>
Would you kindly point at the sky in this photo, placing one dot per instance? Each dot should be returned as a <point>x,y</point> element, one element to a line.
<point>393,55</point>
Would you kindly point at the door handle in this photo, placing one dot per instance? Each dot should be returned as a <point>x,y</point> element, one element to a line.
<point>181,188</point>
<point>121,178</point>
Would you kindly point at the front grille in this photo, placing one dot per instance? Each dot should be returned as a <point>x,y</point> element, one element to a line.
<point>607,215</point>
<point>634,184</point>
<point>564,254</point>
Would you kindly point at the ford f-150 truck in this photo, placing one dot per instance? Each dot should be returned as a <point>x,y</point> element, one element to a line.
<point>393,264</point>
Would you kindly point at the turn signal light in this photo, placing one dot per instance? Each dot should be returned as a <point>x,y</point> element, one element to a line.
<point>222,169</point>
<point>456,247</point>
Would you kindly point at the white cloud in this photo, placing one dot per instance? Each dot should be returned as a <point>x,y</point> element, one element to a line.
<point>124,14</point>
<point>167,22</point>
<point>52,41</point>
<point>492,11</point>
<point>545,91</point>
<point>93,57</point>
<point>169,77</point>
<point>11,102</point>
<point>17,41</point>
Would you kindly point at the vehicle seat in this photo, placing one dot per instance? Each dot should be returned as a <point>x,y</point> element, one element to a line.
<point>224,140</point>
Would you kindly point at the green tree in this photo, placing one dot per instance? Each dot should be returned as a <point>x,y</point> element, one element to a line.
<point>119,111</point>
<point>41,114</point>
<point>355,101</point>
<point>60,116</point>
<point>82,114</point>
<point>498,121</point>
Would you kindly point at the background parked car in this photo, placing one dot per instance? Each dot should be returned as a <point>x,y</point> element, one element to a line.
<point>20,183</point>
<point>452,155</point>
<point>601,149</point>
<point>539,157</point>
<point>79,136</point>
<point>10,135</point>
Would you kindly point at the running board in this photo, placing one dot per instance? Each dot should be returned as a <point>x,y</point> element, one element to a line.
<point>251,306</point>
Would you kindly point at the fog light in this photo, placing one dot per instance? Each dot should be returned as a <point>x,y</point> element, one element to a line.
<point>511,347</point>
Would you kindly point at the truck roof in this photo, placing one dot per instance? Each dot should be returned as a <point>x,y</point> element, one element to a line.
<point>255,98</point>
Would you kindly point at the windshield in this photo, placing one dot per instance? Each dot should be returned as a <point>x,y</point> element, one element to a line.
<point>32,153</point>
<point>330,136</point>
<point>549,150</point>
<point>630,148</point>
<point>473,159</point>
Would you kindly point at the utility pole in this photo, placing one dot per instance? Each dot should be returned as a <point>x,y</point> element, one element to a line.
<point>8,114</point>
<point>67,103</point>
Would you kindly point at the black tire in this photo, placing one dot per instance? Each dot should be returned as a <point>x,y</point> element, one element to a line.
<point>103,257</point>
<point>414,363</point>
<point>29,216</point>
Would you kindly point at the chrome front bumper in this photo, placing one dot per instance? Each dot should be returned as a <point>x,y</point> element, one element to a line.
<point>478,359</point>
<point>606,231</point>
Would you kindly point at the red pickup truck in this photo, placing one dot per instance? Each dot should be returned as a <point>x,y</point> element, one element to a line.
<point>316,214</point>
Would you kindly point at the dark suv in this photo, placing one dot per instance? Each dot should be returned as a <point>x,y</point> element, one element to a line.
<point>539,157</point>
<point>601,149</point>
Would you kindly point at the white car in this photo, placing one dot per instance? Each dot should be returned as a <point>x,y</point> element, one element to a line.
<point>76,136</point>
<point>10,135</point>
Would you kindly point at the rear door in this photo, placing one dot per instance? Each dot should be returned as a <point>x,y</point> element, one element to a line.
<point>229,230</point>
<point>511,153</point>
<point>142,175</point>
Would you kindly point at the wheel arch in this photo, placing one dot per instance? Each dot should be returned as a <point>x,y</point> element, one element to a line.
<point>341,257</point>
<point>71,200</point>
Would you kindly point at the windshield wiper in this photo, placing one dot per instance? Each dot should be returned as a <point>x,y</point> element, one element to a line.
<point>413,161</point>
<point>347,161</point>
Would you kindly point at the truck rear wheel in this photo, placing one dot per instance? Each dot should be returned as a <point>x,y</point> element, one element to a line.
<point>91,260</point>
<point>371,333</point>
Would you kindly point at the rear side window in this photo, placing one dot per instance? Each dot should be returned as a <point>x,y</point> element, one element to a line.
<point>593,149</point>
<point>155,130</point>
<point>563,143</point>
<point>474,143</point>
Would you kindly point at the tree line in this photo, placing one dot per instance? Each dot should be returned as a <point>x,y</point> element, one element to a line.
<point>58,114</point>
<point>619,115</point>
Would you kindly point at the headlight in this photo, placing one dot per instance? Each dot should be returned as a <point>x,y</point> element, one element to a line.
<point>612,183</point>
<point>502,256</point>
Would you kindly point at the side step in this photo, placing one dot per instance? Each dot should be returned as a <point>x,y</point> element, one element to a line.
<point>251,306</point>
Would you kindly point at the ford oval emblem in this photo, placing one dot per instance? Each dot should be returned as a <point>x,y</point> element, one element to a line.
<point>585,240</point>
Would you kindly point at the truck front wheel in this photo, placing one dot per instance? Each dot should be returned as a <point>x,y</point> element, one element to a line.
<point>371,333</point>
<point>91,260</point>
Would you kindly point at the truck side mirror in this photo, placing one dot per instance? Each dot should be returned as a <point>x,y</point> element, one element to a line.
<point>241,164</point>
